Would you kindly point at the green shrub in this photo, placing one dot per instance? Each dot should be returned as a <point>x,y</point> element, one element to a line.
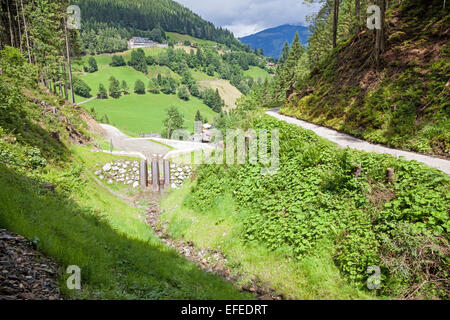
<point>81,88</point>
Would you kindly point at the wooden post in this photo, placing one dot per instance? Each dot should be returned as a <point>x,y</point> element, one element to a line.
<point>166,174</point>
<point>111,147</point>
<point>155,174</point>
<point>247,146</point>
<point>143,174</point>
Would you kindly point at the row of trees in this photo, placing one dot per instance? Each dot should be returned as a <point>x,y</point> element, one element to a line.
<point>38,29</point>
<point>175,120</point>
<point>229,66</point>
<point>337,20</point>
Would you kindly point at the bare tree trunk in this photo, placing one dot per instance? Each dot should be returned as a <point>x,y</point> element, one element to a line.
<point>18,24</point>
<point>68,62</point>
<point>66,94</point>
<point>335,22</point>
<point>26,31</point>
<point>358,16</point>
<point>380,34</point>
<point>11,33</point>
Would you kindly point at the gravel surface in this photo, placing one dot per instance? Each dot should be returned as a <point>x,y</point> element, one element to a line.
<point>123,142</point>
<point>25,274</point>
<point>345,140</point>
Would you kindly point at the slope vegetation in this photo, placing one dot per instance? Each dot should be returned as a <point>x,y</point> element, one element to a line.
<point>316,226</point>
<point>402,102</point>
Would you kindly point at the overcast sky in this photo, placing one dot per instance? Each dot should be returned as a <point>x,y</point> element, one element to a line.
<point>244,17</point>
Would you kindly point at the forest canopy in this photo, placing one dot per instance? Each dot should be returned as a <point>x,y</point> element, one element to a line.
<point>107,24</point>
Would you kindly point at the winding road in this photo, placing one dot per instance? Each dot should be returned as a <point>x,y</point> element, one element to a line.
<point>147,147</point>
<point>344,140</point>
<point>125,143</point>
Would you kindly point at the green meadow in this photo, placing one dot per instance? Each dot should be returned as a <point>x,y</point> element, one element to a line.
<point>134,114</point>
<point>256,73</point>
<point>183,37</point>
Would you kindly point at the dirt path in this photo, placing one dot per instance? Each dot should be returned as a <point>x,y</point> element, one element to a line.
<point>85,101</point>
<point>123,142</point>
<point>345,140</point>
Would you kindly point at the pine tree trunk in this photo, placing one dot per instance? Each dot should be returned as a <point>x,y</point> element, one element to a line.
<point>335,22</point>
<point>380,34</point>
<point>66,94</point>
<point>18,24</point>
<point>68,62</point>
<point>11,33</point>
<point>26,31</point>
<point>358,16</point>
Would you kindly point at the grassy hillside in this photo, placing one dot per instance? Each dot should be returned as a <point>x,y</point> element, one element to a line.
<point>404,102</point>
<point>228,93</point>
<point>185,37</point>
<point>134,114</point>
<point>257,73</point>
<point>74,220</point>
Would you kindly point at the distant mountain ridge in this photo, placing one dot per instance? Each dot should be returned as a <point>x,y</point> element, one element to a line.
<point>272,40</point>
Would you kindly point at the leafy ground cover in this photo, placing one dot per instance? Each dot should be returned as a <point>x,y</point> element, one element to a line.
<point>321,210</point>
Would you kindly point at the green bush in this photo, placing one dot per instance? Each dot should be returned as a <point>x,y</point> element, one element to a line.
<point>81,88</point>
<point>139,87</point>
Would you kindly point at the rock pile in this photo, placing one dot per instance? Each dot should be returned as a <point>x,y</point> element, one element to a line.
<point>178,174</point>
<point>127,172</point>
<point>121,171</point>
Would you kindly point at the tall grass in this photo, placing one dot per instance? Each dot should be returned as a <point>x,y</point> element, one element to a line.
<point>119,255</point>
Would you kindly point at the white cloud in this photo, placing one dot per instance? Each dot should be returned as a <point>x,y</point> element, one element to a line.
<point>245,17</point>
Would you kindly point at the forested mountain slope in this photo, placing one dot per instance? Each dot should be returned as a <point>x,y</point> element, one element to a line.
<point>402,100</point>
<point>118,20</point>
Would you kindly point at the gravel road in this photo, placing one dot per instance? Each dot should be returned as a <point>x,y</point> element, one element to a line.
<point>345,140</point>
<point>125,143</point>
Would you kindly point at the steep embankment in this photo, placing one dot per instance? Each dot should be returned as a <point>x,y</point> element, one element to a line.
<point>48,195</point>
<point>403,102</point>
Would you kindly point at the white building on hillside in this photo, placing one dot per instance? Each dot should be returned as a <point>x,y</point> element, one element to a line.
<point>138,42</point>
